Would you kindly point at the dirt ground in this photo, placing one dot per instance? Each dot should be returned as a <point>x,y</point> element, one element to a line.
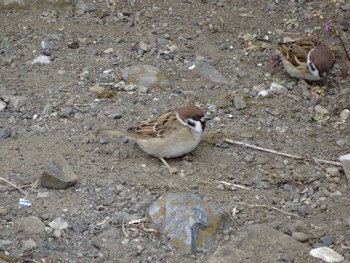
<point>116,176</point>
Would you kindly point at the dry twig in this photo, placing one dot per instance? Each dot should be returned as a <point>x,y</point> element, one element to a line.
<point>272,207</point>
<point>236,185</point>
<point>15,186</point>
<point>315,160</point>
<point>137,221</point>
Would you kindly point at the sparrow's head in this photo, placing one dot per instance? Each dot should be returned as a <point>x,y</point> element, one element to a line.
<point>193,117</point>
<point>320,60</point>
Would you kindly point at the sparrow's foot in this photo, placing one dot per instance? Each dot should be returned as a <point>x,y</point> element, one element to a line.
<point>172,170</point>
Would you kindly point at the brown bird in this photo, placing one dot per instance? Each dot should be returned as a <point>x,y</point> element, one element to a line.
<point>304,59</point>
<point>169,135</point>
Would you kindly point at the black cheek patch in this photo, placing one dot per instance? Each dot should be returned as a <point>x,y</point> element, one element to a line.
<point>311,66</point>
<point>192,124</point>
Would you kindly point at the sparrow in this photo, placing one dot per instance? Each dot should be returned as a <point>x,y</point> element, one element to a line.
<point>304,59</point>
<point>168,135</point>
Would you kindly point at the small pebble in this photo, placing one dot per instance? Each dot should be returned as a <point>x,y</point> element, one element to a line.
<point>108,50</point>
<point>239,103</point>
<point>333,171</point>
<point>344,115</point>
<point>327,240</point>
<point>321,110</point>
<point>277,88</point>
<point>341,143</point>
<point>346,7</point>
<point>263,93</point>
<point>125,241</point>
<point>300,236</point>
<point>29,244</point>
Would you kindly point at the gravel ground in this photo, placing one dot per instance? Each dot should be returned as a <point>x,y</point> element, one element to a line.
<point>51,111</point>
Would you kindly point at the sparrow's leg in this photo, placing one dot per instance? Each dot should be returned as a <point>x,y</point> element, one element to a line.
<point>172,170</point>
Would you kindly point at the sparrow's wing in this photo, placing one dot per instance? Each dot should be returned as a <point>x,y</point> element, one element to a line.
<point>156,127</point>
<point>296,51</point>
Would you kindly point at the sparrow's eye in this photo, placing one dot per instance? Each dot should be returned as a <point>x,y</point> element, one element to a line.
<point>195,118</point>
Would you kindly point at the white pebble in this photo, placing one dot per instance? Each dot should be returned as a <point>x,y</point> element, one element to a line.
<point>326,254</point>
<point>42,60</point>
<point>263,93</point>
<point>345,114</point>
<point>108,50</point>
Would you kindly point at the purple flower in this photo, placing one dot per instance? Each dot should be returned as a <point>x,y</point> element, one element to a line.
<point>328,27</point>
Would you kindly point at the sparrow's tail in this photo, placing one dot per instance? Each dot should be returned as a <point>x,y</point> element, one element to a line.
<point>267,43</point>
<point>111,132</point>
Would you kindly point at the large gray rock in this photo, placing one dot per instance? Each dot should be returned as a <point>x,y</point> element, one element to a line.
<point>186,219</point>
<point>261,243</point>
<point>58,174</point>
<point>31,225</point>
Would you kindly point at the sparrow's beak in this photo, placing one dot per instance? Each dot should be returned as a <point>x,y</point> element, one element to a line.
<point>205,118</point>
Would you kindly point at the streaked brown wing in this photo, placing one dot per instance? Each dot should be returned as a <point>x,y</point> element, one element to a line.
<point>156,127</point>
<point>296,51</point>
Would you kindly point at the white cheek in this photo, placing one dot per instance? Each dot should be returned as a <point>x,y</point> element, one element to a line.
<point>311,66</point>
<point>198,127</point>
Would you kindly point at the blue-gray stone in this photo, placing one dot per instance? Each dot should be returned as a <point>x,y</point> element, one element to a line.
<point>186,219</point>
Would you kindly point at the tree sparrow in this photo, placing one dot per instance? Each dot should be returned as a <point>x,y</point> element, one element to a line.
<point>169,135</point>
<point>304,59</point>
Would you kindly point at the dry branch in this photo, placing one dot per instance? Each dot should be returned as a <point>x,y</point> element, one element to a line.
<point>316,160</point>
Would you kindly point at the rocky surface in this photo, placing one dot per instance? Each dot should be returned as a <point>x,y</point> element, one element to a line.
<point>61,81</point>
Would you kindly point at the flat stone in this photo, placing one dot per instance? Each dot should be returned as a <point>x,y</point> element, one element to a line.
<point>186,219</point>
<point>239,103</point>
<point>327,240</point>
<point>5,133</point>
<point>58,175</point>
<point>58,224</point>
<point>144,46</point>
<point>207,71</point>
<point>333,171</point>
<point>321,110</point>
<point>278,88</point>
<point>346,7</point>
<point>42,59</point>
<point>300,236</point>
<point>82,7</point>
<point>260,243</point>
<point>47,110</point>
<point>4,244</point>
<point>30,225</point>
<point>147,76</point>
<point>29,244</point>
<point>17,101</point>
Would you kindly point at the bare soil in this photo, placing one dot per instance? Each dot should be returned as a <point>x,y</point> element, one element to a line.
<point>115,175</point>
